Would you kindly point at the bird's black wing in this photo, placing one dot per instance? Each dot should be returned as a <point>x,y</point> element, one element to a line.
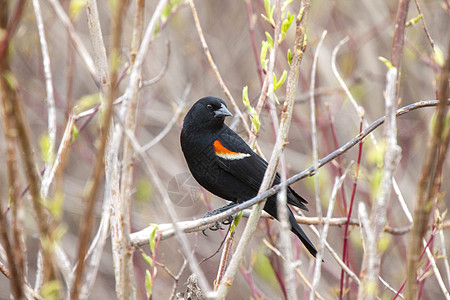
<point>236,157</point>
<point>247,166</point>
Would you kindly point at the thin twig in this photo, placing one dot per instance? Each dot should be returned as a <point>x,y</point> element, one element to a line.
<point>76,40</point>
<point>175,277</point>
<point>399,39</point>
<point>215,69</point>
<point>28,289</point>
<point>436,272</point>
<point>386,284</point>
<point>444,254</point>
<point>138,29</point>
<point>336,257</point>
<point>372,256</point>
<point>297,270</point>
<point>345,251</point>
<point>315,150</point>
<point>323,236</point>
<point>169,125</point>
<point>162,72</point>
<point>15,275</point>
<point>49,89</point>
<point>425,28</point>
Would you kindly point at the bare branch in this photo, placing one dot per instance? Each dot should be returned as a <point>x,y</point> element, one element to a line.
<point>372,256</point>
<point>428,184</point>
<point>49,89</point>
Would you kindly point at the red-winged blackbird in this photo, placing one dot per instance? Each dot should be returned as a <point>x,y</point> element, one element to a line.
<point>225,165</point>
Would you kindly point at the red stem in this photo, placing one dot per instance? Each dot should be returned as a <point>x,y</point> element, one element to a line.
<point>338,159</point>
<point>355,182</point>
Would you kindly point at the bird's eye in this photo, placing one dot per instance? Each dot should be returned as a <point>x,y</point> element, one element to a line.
<point>209,107</point>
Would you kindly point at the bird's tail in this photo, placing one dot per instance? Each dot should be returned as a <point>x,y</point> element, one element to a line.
<point>295,228</point>
<point>271,208</point>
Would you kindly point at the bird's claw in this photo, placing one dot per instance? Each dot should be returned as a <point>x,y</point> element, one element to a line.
<point>228,220</point>
<point>218,224</point>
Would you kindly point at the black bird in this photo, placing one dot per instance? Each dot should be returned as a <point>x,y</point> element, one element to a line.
<point>223,163</point>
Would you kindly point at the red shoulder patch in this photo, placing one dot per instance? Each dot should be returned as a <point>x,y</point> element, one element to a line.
<point>225,153</point>
<point>220,149</point>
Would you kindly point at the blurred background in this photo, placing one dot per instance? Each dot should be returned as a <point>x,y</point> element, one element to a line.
<point>188,77</point>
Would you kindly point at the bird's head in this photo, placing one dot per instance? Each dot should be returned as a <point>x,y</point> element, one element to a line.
<point>208,112</point>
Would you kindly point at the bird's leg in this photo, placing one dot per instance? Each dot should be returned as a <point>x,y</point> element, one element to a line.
<point>226,221</point>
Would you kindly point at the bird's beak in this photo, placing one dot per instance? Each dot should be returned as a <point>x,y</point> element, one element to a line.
<point>222,112</point>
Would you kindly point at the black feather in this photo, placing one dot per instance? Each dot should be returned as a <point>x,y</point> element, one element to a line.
<point>235,180</point>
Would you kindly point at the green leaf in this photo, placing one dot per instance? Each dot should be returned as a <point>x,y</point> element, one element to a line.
<point>148,283</point>
<point>446,124</point>
<point>236,221</point>
<point>285,25</point>
<point>413,20</point>
<point>276,99</point>
<point>267,7</point>
<point>283,78</point>
<point>75,8</point>
<point>9,76</point>
<point>44,144</point>
<point>387,62</point>
<point>278,84</point>
<point>264,48</point>
<point>166,11</point>
<point>253,115</point>
<point>56,206</point>
<point>300,14</point>
<point>438,56</point>
<point>375,155</point>
<point>86,102</point>
<point>152,239</point>
<point>113,4</point>
<point>289,56</point>
<point>155,33</point>
<point>75,132</point>
<point>265,18</point>
<point>144,190</point>
<point>264,268</point>
<point>375,181</point>
<point>148,259</point>
<point>255,121</point>
<point>269,40</point>
<point>50,290</point>
<point>245,98</point>
<point>269,12</point>
<point>383,243</point>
